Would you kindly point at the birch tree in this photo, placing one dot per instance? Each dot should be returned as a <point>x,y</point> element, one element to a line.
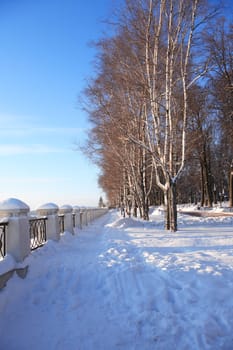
<point>166,30</point>
<point>144,76</point>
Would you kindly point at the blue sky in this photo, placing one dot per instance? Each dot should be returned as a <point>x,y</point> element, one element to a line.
<point>44,61</point>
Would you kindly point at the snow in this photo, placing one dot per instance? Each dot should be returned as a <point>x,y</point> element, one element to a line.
<point>66,206</point>
<point>7,264</point>
<point>13,204</point>
<point>48,206</point>
<point>125,284</point>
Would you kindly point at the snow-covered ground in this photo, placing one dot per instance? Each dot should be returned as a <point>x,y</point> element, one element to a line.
<point>125,284</point>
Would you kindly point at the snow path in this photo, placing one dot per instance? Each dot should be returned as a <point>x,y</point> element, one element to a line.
<point>125,284</point>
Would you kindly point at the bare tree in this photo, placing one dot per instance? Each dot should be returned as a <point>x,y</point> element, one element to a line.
<point>201,129</point>
<point>140,95</point>
<point>166,31</point>
<point>220,45</point>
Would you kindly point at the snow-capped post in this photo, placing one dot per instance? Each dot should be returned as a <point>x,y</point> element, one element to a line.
<point>50,210</point>
<point>15,213</point>
<point>84,216</point>
<point>81,218</point>
<point>76,211</point>
<point>94,213</point>
<point>67,211</point>
<point>89,215</point>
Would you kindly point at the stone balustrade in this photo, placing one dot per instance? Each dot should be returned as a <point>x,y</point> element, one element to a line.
<point>17,215</point>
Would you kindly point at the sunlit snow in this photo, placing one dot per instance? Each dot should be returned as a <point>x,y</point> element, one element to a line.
<point>125,284</point>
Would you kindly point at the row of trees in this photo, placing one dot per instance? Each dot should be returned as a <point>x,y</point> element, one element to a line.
<point>161,108</point>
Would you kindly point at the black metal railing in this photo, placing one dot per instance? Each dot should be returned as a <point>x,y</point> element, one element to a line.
<point>37,231</point>
<point>3,226</point>
<point>61,223</point>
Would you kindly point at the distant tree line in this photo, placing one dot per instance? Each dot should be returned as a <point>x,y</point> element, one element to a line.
<point>161,106</point>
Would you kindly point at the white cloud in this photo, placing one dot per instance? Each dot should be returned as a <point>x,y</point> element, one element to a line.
<point>16,125</point>
<point>56,131</point>
<point>31,180</point>
<point>11,120</point>
<point>16,149</point>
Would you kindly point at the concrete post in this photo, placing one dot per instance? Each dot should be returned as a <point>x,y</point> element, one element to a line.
<point>88,217</point>
<point>67,211</point>
<point>84,216</point>
<point>76,211</point>
<point>81,218</point>
<point>50,210</point>
<point>96,213</point>
<point>17,238</point>
<point>92,214</point>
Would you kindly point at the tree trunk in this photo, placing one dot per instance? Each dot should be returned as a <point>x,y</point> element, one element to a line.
<point>202,187</point>
<point>166,211</point>
<point>146,210</point>
<point>172,207</point>
<point>206,183</point>
<point>231,187</point>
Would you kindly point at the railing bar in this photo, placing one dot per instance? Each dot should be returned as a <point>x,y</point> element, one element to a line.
<point>61,222</point>
<point>3,226</point>
<point>37,232</point>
